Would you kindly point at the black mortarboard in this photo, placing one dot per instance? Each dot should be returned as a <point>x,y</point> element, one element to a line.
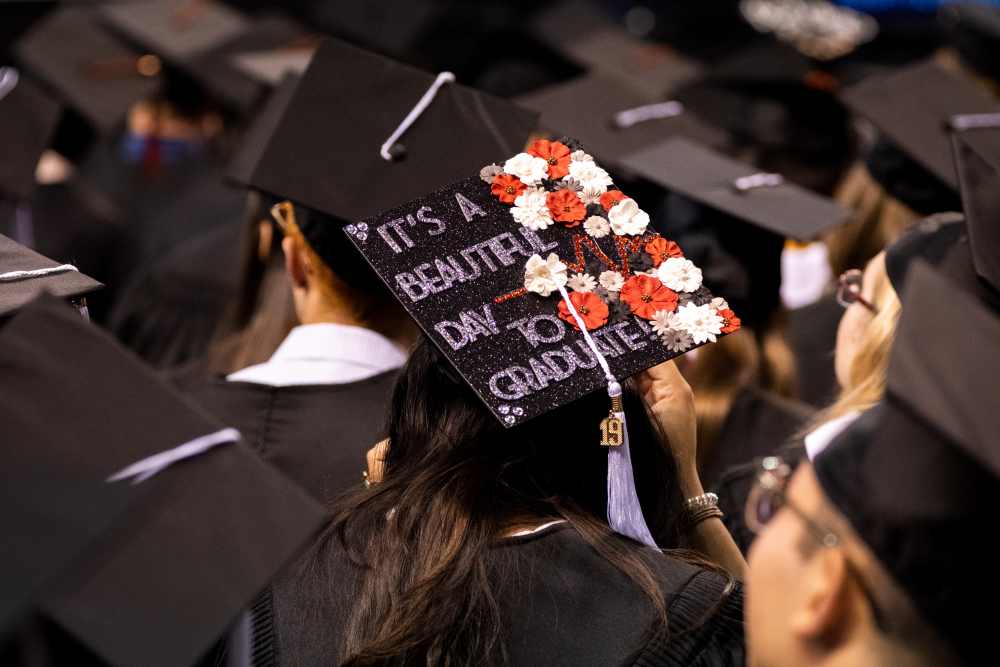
<point>613,119</point>
<point>974,31</point>
<point>464,263</point>
<point>271,66</point>
<point>147,573</point>
<point>97,75</point>
<point>247,156</point>
<point>913,108</point>
<point>324,152</point>
<point>977,160</point>
<point>389,26</point>
<point>24,274</point>
<point>764,200</point>
<point>919,475</point>
<point>28,119</point>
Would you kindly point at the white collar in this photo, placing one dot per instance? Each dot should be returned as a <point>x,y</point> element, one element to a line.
<point>823,435</point>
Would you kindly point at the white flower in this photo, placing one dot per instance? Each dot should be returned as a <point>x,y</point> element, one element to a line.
<point>591,194</point>
<point>663,322</point>
<point>582,282</point>
<point>628,218</point>
<point>597,226</point>
<point>531,210</point>
<point>700,321</point>
<point>677,340</point>
<point>718,303</point>
<point>545,276</point>
<point>528,168</point>
<point>612,281</point>
<point>580,156</point>
<point>679,274</point>
<point>589,173</point>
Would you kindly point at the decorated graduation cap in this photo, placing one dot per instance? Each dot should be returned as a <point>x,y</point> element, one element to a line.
<point>132,519</point>
<point>541,282</point>
<point>96,74</point>
<point>361,133</point>
<point>913,108</point>
<point>24,274</point>
<point>919,475</point>
<point>28,119</point>
<point>613,119</point>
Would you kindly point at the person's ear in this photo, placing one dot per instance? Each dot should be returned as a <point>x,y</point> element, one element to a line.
<point>295,265</point>
<point>822,608</point>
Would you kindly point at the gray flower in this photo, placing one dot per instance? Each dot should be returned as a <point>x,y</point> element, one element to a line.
<point>701,296</point>
<point>596,209</point>
<point>618,312</point>
<point>606,296</point>
<point>488,172</point>
<point>572,143</point>
<point>640,261</point>
<point>595,267</point>
<point>677,340</point>
<point>570,183</point>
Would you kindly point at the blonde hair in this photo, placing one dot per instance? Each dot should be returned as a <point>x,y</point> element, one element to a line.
<point>866,382</point>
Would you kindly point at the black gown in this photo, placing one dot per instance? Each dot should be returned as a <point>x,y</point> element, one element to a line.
<point>317,434</point>
<point>561,603</point>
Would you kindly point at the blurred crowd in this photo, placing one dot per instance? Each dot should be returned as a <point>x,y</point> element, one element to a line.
<point>808,263</point>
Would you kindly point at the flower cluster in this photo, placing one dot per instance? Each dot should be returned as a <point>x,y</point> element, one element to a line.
<point>648,277</point>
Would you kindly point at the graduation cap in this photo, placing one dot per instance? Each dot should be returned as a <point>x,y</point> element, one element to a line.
<point>742,221</point>
<point>919,475</point>
<point>613,119</point>
<point>28,119</point>
<point>913,108</point>
<point>977,160</point>
<point>389,26</point>
<point>198,39</point>
<point>130,518</point>
<point>540,282</point>
<point>96,74</point>
<point>974,31</point>
<point>324,147</point>
<point>24,274</point>
<point>270,67</point>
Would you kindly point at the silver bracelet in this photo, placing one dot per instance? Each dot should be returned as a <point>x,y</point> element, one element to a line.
<point>701,502</point>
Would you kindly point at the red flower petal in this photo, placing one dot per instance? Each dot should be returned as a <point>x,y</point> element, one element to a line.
<point>661,250</point>
<point>646,296</point>
<point>612,198</point>
<point>555,154</point>
<point>508,187</point>
<point>730,322</point>
<point>566,207</point>
<point>592,310</point>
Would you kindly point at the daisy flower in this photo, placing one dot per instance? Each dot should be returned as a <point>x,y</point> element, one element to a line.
<point>531,210</point>
<point>612,281</point>
<point>680,275</point>
<point>597,226</point>
<point>589,173</point>
<point>703,323</point>
<point>582,282</point>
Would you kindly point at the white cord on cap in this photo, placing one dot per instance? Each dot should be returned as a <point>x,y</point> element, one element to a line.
<point>758,180</point>
<point>973,120</point>
<point>15,275</point>
<point>425,101</point>
<point>8,79</point>
<point>630,117</point>
<point>149,466</point>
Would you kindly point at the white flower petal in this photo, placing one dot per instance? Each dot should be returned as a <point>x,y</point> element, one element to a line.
<point>544,276</point>
<point>580,156</point>
<point>589,174</point>
<point>528,168</point>
<point>531,210</point>
<point>591,194</point>
<point>718,303</point>
<point>612,281</point>
<point>679,274</point>
<point>597,226</point>
<point>702,322</point>
<point>628,218</point>
<point>582,282</point>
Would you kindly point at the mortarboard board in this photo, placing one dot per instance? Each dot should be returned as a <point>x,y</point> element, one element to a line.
<point>913,108</point>
<point>97,75</point>
<point>148,573</point>
<point>977,161</point>
<point>919,475</point>
<point>485,266</point>
<point>325,151</point>
<point>28,118</point>
<point>613,120</point>
<point>764,200</point>
<point>247,156</point>
<point>24,274</point>
<point>388,26</point>
<point>271,66</point>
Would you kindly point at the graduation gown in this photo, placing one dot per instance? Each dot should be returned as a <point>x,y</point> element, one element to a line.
<point>814,337</point>
<point>317,434</point>
<point>561,604</point>
<point>759,423</point>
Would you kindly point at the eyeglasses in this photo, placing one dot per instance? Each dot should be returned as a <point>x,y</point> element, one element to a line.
<point>768,495</point>
<point>849,290</point>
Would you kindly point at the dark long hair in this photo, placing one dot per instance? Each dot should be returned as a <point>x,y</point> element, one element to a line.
<point>454,482</point>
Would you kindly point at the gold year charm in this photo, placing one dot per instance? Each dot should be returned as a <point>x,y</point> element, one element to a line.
<point>612,434</point>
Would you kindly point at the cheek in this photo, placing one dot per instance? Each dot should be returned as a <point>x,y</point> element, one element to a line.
<point>849,333</point>
<point>770,580</point>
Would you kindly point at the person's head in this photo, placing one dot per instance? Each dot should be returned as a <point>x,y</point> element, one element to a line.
<point>816,595</point>
<point>455,481</point>
<point>865,332</point>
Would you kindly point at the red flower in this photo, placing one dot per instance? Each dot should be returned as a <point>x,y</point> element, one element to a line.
<point>555,153</point>
<point>508,187</point>
<point>647,296</point>
<point>662,250</point>
<point>730,322</point>
<point>593,311</point>
<point>566,207</point>
<point>612,198</point>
